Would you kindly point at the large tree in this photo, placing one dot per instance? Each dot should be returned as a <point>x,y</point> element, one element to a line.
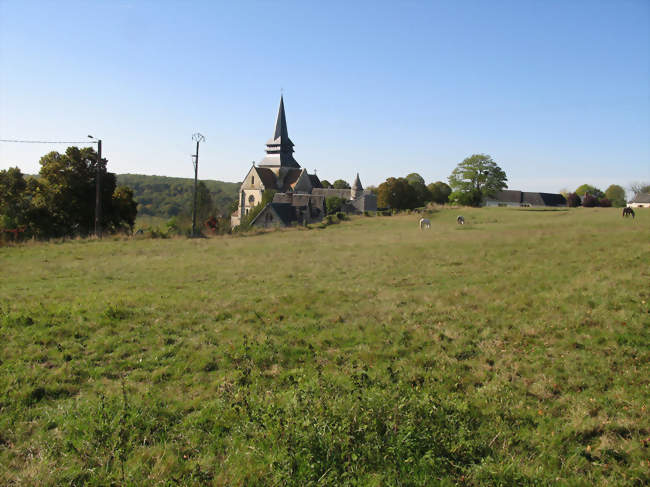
<point>584,189</point>
<point>417,183</point>
<point>475,178</point>
<point>67,192</point>
<point>15,203</point>
<point>439,192</point>
<point>616,194</point>
<point>396,193</point>
<point>340,184</point>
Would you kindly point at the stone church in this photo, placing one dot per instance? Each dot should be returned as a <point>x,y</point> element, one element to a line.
<point>300,196</point>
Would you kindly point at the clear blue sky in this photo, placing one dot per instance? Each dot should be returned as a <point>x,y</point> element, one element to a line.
<point>558,93</point>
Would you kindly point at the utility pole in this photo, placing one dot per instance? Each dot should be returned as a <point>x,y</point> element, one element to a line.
<point>195,160</point>
<point>98,190</point>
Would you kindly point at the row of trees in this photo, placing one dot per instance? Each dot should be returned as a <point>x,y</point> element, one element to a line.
<point>60,201</point>
<point>473,179</point>
<point>590,196</point>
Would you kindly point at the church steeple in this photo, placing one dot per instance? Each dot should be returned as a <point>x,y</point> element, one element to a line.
<point>279,148</point>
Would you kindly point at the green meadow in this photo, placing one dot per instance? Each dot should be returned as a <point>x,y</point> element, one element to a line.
<point>513,350</point>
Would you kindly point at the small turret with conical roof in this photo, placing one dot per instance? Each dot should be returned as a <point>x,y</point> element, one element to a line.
<point>357,189</point>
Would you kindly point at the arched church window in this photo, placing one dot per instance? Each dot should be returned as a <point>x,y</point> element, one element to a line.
<point>251,199</point>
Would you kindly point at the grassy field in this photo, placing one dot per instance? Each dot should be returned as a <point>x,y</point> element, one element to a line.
<point>512,351</point>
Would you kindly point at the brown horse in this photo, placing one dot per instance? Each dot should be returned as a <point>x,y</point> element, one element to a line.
<point>627,211</point>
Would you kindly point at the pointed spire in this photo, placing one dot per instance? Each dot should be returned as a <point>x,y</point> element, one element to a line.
<point>281,123</point>
<point>357,189</point>
<point>357,183</point>
<point>279,148</point>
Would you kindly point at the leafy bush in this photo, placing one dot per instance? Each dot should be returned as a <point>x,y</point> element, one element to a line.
<point>333,204</point>
<point>573,200</point>
<point>341,216</point>
<point>589,201</point>
<point>331,219</point>
<point>604,202</point>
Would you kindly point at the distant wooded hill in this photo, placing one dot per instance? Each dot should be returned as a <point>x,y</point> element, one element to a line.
<point>168,197</point>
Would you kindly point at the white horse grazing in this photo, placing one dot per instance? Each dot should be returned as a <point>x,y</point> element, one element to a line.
<point>460,220</point>
<point>425,223</point>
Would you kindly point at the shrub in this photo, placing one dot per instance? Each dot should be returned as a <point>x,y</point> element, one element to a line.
<point>367,213</point>
<point>604,202</point>
<point>333,204</point>
<point>589,201</point>
<point>573,200</point>
<point>341,216</point>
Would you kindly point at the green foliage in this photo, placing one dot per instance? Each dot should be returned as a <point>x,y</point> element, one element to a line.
<point>616,194</point>
<point>422,193</point>
<point>61,202</point>
<point>341,216</point>
<point>573,200</point>
<point>604,202</point>
<point>340,184</point>
<point>326,184</point>
<point>331,219</point>
<point>15,204</point>
<point>167,197</point>
<point>397,193</point>
<point>125,208</point>
<point>414,178</point>
<point>502,360</point>
<point>588,189</point>
<point>333,204</point>
<point>439,192</point>
<point>589,201</point>
<point>472,197</point>
<point>475,178</point>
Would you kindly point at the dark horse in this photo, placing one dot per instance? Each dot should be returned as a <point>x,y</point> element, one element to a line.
<point>627,211</point>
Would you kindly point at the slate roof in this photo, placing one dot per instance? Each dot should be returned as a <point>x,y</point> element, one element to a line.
<point>287,213</point>
<point>290,179</point>
<point>641,198</point>
<point>508,196</point>
<point>544,199</point>
<point>268,177</point>
<point>529,198</point>
<point>315,182</point>
<point>298,199</point>
<point>282,198</point>
<point>357,184</point>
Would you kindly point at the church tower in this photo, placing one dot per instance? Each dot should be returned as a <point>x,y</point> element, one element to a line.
<point>279,148</point>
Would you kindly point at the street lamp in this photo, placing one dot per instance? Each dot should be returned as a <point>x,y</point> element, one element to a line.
<point>98,199</point>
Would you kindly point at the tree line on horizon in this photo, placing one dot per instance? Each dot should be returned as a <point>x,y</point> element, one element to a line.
<point>475,178</point>
<point>60,200</point>
<point>590,196</point>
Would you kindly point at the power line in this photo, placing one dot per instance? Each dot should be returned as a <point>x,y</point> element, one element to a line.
<point>48,141</point>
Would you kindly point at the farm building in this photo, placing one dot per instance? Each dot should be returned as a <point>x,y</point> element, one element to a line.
<point>300,196</point>
<point>641,200</point>
<point>510,197</point>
